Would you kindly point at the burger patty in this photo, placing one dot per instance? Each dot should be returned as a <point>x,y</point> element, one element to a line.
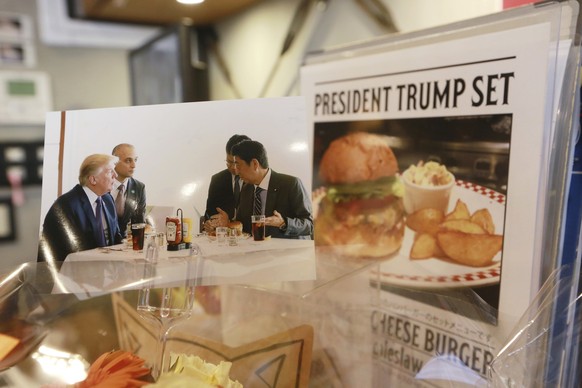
<point>387,211</point>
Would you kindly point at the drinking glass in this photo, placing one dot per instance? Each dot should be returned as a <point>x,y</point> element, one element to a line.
<point>258,227</point>
<point>232,238</point>
<point>167,295</point>
<point>221,233</point>
<point>138,236</point>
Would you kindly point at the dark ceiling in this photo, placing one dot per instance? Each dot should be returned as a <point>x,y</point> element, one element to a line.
<point>156,12</point>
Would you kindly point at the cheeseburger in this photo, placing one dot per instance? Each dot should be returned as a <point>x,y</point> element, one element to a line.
<point>237,226</point>
<point>362,212</point>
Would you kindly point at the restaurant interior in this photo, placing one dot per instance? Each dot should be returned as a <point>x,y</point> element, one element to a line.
<point>284,318</point>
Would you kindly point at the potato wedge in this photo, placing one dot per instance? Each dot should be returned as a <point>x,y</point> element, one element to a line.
<point>460,212</point>
<point>424,246</point>
<point>465,226</point>
<point>477,250</point>
<point>438,252</point>
<point>483,218</point>
<point>425,220</point>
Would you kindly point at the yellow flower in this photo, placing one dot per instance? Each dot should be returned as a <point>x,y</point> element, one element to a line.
<point>189,371</point>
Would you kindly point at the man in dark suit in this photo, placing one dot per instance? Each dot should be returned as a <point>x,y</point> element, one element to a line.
<point>222,192</point>
<point>84,217</point>
<point>284,199</point>
<point>128,193</point>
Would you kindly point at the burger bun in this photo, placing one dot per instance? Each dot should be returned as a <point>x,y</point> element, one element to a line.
<point>357,157</point>
<point>237,226</point>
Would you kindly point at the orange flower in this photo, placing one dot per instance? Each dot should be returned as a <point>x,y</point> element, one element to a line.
<point>116,369</point>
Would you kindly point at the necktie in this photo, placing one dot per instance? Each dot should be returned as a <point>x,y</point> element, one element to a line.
<point>99,216</point>
<point>236,190</point>
<point>120,202</point>
<point>258,203</point>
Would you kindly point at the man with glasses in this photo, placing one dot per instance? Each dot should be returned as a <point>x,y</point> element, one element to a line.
<point>225,186</point>
<point>280,197</point>
<point>84,217</point>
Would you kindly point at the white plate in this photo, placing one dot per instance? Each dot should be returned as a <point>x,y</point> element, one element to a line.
<point>400,270</point>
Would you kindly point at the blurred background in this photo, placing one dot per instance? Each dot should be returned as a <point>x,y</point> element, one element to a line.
<point>83,54</point>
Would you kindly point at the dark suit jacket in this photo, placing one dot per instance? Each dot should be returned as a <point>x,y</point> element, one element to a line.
<point>70,225</point>
<point>135,204</point>
<point>220,194</point>
<point>288,196</point>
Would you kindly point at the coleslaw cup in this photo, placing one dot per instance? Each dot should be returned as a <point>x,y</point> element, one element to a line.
<point>418,197</point>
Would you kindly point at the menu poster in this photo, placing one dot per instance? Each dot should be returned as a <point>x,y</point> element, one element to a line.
<point>481,107</point>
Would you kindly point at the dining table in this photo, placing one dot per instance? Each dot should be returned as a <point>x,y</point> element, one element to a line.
<point>119,267</point>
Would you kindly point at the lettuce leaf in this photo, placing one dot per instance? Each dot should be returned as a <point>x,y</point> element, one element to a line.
<point>379,188</point>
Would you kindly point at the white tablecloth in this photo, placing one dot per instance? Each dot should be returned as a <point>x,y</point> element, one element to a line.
<point>116,268</point>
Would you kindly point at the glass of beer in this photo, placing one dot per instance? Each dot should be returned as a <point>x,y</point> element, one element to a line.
<point>138,236</point>
<point>258,223</point>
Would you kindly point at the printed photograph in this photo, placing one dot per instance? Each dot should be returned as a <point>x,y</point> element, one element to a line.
<point>16,41</point>
<point>230,177</point>
<point>424,196</point>
<point>11,53</point>
<point>11,26</point>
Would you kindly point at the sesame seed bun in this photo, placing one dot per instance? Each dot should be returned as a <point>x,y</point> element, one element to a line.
<point>357,157</point>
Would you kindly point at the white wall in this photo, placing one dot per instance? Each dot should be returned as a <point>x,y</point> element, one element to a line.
<point>88,77</point>
<point>252,41</point>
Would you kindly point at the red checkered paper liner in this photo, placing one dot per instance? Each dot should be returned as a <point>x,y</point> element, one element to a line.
<point>491,194</point>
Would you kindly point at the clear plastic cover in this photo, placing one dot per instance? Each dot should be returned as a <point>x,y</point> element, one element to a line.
<point>327,338</point>
<point>306,315</point>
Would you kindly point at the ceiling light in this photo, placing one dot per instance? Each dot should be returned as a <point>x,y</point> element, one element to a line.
<point>190,1</point>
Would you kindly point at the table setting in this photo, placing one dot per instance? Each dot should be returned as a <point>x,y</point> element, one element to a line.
<point>120,267</point>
